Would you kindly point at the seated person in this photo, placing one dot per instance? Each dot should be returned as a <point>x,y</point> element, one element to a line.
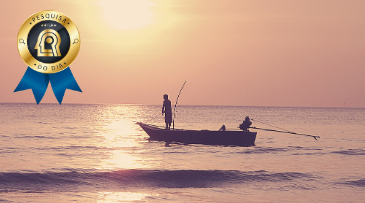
<point>245,124</point>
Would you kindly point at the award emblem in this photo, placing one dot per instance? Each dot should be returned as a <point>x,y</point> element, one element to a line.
<point>48,42</point>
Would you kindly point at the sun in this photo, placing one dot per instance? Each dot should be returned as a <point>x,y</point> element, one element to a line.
<point>127,14</point>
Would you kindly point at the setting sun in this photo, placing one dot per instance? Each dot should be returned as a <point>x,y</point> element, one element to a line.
<point>125,14</point>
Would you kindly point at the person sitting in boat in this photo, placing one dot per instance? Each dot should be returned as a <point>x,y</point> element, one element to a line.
<point>166,108</point>
<point>223,128</point>
<point>245,124</point>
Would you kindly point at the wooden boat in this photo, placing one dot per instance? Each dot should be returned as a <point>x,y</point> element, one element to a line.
<point>207,137</point>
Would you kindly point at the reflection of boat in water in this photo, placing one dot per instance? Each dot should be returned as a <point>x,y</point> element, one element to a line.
<point>237,138</point>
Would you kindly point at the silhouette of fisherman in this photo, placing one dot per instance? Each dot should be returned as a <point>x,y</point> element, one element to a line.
<point>166,108</point>
<point>245,124</point>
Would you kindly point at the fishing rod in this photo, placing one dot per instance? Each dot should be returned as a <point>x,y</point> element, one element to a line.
<point>173,120</point>
<point>270,125</point>
<point>314,136</point>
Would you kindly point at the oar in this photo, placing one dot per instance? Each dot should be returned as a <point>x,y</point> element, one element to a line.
<point>314,136</point>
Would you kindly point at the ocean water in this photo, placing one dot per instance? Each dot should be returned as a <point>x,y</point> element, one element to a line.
<point>96,153</point>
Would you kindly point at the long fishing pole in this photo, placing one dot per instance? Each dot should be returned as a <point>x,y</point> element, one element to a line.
<point>314,136</point>
<point>173,120</point>
<point>270,125</point>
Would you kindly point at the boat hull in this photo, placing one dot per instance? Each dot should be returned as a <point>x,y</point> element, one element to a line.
<point>236,138</point>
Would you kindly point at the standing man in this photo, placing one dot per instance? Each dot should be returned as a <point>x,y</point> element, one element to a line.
<point>166,108</point>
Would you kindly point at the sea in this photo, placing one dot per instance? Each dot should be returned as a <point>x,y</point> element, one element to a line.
<point>97,153</point>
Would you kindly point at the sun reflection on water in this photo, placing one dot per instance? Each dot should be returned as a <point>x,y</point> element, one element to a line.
<point>121,160</point>
<point>121,139</point>
<point>108,197</point>
<point>119,133</point>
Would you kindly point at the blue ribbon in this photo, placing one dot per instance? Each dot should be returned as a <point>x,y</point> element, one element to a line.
<point>38,82</point>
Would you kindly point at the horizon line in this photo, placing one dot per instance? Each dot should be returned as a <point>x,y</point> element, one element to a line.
<point>343,107</point>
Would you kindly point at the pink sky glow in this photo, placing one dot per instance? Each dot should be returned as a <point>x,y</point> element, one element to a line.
<point>231,52</point>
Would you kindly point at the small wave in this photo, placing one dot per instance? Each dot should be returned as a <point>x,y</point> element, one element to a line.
<point>36,137</point>
<point>142,178</point>
<point>2,135</point>
<point>295,150</point>
<point>258,150</point>
<point>351,152</point>
<point>8,150</point>
<point>357,183</point>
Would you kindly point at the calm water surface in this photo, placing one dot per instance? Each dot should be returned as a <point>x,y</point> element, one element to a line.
<point>96,153</point>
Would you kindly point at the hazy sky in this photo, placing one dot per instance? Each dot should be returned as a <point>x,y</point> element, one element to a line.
<point>231,52</point>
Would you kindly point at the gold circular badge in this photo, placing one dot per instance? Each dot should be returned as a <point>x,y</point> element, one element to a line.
<point>48,41</point>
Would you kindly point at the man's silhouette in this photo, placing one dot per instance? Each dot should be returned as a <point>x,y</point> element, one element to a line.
<point>166,108</point>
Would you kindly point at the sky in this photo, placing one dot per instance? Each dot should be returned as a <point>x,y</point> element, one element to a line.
<point>231,52</point>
